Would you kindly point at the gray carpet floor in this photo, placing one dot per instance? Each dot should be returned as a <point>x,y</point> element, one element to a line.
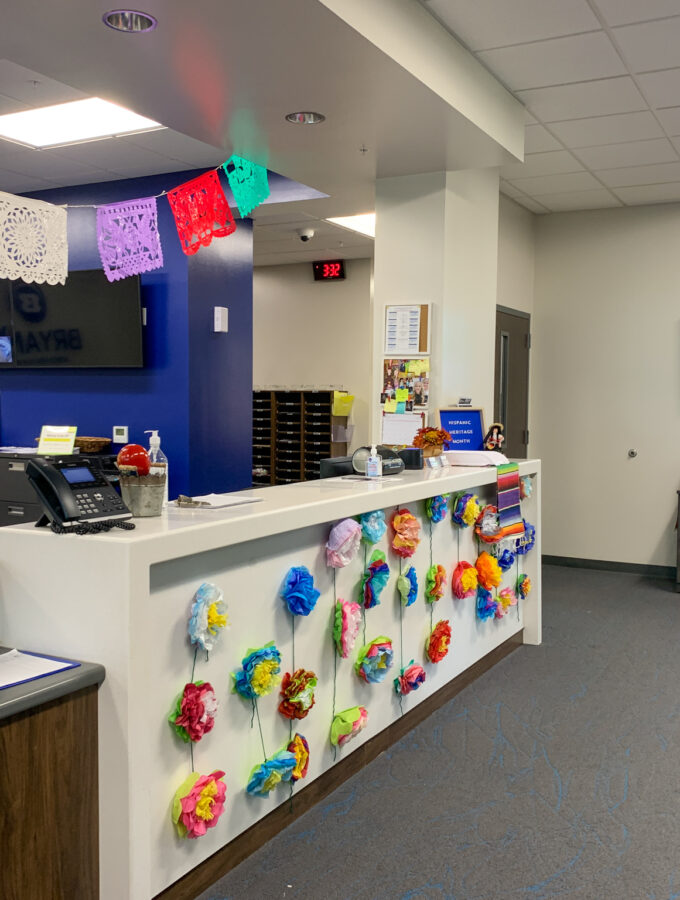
<point>556,774</point>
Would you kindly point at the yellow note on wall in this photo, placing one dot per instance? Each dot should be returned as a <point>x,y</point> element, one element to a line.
<point>402,395</point>
<point>390,406</point>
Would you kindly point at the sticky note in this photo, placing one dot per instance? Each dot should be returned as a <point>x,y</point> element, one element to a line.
<point>390,406</point>
<point>402,395</point>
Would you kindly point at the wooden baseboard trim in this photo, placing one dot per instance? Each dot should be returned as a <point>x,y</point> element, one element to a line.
<point>605,565</point>
<point>233,853</point>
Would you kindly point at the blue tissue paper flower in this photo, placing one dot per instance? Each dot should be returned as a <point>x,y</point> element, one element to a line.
<point>435,507</point>
<point>526,543</point>
<point>506,560</point>
<point>271,772</point>
<point>258,673</point>
<point>373,526</point>
<point>486,605</point>
<point>412,578</point>
<point>299,591</point>
<point>374,580</point>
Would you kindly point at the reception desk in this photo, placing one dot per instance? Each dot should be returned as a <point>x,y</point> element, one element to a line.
<point>123,598</point>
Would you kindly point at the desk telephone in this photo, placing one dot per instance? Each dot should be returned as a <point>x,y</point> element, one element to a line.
<point>76,496</point>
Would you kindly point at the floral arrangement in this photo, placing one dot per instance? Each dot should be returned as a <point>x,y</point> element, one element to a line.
<point>409,679</point>
<point>343,543</point>
<point>466,510</point>
<point>437,644</point>
<point>486,605</point>
<point>506,598</point>
<point>193,715</point>
<point>272,771</point>
<point>346,626</point>
<point>435,507</point>
<point>506,560</point>
<point>198,804</point>
<point>435,583</point>
<point>300,750</point>
<point>347,725</point>
<point>373,526</point>
<point>297,693</point>
<point>407,585</point>
<point>299,592</point>
<point>488,570</point>
<point>523,586</point>
<point>431,437</point>
<point>526,543</point>
<point>464,581</point>
<point>208,616</point>
<point>374,660</point>
<point>374,579</point>
<point>406,533</point>
<point>259,672</point>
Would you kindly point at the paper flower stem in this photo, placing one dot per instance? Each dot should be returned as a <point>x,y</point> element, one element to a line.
<point>259,725</point>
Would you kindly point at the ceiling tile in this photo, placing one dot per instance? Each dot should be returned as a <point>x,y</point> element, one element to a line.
<point>635,153</point>
<point>33,89</point>
<point>9,105</point>
<point>47,164</point>
<point>578,101</point>
<point>117,155</point>
<point>650,193</point>
<point>554,184</point>
<point>552,163</point>
<point>634,175</point>
<point>623,12</point>
<point>563,202</point>
<point>559,61</point>
<point>607,129</point>
<point>537,140</point>
<point>15,183</point>
<point>531,205</point>
<point>174,145</point>
<point>670,119</point>
<point>654,45</point>
<point>497,23</point>
<point>510,190</point>
<point>661,88</point>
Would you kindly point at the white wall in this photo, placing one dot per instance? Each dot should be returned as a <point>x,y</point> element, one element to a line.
<point>315,333</point>
<point>516,256</point>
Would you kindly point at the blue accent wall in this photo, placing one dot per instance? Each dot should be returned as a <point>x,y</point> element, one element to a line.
<point>195,387</point>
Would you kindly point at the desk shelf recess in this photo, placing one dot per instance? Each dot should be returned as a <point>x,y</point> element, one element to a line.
<point>292,432</point>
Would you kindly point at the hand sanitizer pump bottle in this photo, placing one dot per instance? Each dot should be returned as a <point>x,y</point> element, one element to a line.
<point>374,464</point>
<point>158,459</point>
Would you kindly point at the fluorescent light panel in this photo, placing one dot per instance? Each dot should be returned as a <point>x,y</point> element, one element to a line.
<point>70,123</point>
<point>364,224</point>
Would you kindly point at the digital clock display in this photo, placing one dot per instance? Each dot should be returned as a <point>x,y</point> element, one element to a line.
<point>329,270</point>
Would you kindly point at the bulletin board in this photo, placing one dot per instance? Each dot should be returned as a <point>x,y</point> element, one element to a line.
<point>407,330</point>
<point>466,427</point>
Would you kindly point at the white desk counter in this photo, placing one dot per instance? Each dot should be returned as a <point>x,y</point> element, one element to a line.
<point>123,598</point>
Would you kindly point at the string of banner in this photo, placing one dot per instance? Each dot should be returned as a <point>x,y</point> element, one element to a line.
<point>33,239</point>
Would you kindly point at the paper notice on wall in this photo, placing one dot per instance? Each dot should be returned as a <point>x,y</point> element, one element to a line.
<point>399,430</point>
<point>402,330</point>
<point>57,439</point>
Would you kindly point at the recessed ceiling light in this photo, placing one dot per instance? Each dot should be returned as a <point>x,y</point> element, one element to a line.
<point>305,118</point>
<point>364,224</point>
<point>129,21</point>
<point>71,123</point>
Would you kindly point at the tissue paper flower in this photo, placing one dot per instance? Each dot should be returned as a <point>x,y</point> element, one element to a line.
<point>437,644</point>
<point>406,533</point>
<point>346,626</point>
<point>465,510</point>
<point>464,581</point>
<point>525,487</point>
<point>208,616</point>
<point>259,672</point>
<point>374,580</point>
<point>526,542</point>
<point>409,679</point>
<point>523,586</point>
<point>488,570</point>
<point>436,583</point>
<point>198,803</point>
<point>343,543</point>
<point>435,507</point>
<point>272,771</point>
<point>194,711</point>
<point>373,526</point>
<point>374,659</point>
<point>347,724</point>
<point>506,560</point>
<point>407,585</point>
<point>506,598</point>
<point>299,591</point>
<point>297,691</point>
<point>300,750</point>
<point>487,527</point>
<point>486,605</point>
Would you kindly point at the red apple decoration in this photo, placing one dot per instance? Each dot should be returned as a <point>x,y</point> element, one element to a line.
<point>134,456</point>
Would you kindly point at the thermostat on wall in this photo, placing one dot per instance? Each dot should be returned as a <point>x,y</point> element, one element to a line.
<point>329,270</point>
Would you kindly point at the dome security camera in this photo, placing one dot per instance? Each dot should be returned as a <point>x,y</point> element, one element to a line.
<point>306,234</point>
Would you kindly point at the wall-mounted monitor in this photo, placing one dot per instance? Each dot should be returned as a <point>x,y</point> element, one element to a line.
<point>88,322</point>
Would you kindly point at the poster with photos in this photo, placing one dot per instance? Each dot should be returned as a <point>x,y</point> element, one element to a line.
<point>405,385</point>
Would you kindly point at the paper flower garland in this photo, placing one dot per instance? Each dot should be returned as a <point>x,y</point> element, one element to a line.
<point>406,533</point>
<point>435,507</point>
<point>272,771</point>
<point>374,580</point>
<point>437,645</point>
<point>506,560</point>
<point>194,713</point>
<point>208,616</point>
<point>300,750</point>
<point>506,598</point>
<point>523,586</point>
<point>373,526</point>
<point>465,510</point>
<point>486,605</point>
<point>347,724</point>
<point>346,626</point>
<point>343,543</point>
<point>297,691</point>
<point>436,583</point>
<point>407,585</point>
<point>464,581</point>
<point>409,679</point>
<point>527,541</point>
<point>258,674</point>
<point>299,592</point>
<point>374,660</point>
<point>488,570</point>
<point>198,803</point>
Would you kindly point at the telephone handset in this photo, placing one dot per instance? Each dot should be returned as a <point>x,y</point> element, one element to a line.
<point>76,496</point>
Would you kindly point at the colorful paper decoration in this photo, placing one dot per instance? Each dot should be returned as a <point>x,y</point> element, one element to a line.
<point>373,526</point>
<point>347,724</point>
<point>489,529</point>
<point>435,583</point>
<point>300,750</point>
<point>259,672</point>
<point>406,533</point>
<point>33,241</point>
<point>201,212</point>
<point>346,626</point>
<point>435,507</point>
<point>193,715</point>
<point>374,660</point>
<point>506,560</point>
<point>526,487</point>
<point>265,777</point>
<point>297,692</point>
<point>526,543</point>
<point>299,592</point>
<point>486,605</point>
<point>488,570</point>
<point>128,239</point>
<point>465,510</point>
<point>407,585</point>
<point>374,580</point>
<point>343,543</point>
<point>248,181</point>
<point>198,803</point>
<point>506,599</point>
<point>464,581</point>
<point>409,679</point>
<point>437,644</point>
<point>523,586</point>
<point>208,616</point>
<point>509,512</point>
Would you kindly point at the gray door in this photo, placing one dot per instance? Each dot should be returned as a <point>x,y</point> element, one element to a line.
<point>511,394</point>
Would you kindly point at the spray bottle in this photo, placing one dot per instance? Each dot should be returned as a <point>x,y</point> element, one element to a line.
<point>158,460</point>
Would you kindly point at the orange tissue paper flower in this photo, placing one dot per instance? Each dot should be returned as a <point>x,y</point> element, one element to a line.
<point>406,533</point>
<point>464,581</point>
<point>488,570</point>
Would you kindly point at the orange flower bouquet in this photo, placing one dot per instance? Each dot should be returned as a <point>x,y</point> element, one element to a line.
<point>431,440</point>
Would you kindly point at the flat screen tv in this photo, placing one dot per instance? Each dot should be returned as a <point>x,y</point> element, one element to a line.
<point>88,322</point>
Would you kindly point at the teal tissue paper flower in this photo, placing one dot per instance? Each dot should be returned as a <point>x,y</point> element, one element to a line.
<point>373,526</point>
<point>299,591</point>
<point>271,772</point>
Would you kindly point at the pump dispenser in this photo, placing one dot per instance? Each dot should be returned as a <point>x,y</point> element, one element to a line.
<point>158,460</point>
<point>374,464</point>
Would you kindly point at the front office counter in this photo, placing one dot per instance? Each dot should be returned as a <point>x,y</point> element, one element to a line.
<point>123,598</point>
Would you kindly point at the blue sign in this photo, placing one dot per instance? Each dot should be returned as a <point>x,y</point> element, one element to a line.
<point>466,427</point>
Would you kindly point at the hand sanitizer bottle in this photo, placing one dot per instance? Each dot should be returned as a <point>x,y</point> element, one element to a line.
<point>374,464</point>
<point>158,460</point>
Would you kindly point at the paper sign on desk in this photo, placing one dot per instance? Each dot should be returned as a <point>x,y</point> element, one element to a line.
<point>57,439</point>
<point>17,667</point>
